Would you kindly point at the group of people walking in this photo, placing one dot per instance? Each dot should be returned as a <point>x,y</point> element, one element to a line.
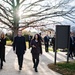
<point>19,47</point>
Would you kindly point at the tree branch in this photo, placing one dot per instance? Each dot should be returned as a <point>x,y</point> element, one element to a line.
<point>6,23</point>
<point>5,18</point>
<point>8,2</point>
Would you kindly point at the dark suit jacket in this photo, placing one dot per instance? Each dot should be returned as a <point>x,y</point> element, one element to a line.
<point>46,40</point>
<point>29,38</point>
<point>53,42</point>
<point>19,44</point>
<point>71,45</point>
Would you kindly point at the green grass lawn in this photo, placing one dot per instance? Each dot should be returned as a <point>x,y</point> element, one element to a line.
<point>64,68</point>
<point>9,43</point>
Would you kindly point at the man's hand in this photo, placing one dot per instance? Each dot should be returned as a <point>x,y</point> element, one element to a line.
<point>33,46</point>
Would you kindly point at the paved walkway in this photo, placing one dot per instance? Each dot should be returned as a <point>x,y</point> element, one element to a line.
<point>11,66</point>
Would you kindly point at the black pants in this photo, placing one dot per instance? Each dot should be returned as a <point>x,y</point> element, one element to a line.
<point>4,55</point>
<point>74,51</point>
<point>1,63</point>
<point>46,48</point>
<point>40,48</point>
<point>71,51</point>
<point>35,61</point>
<point>20,60</point>
<point>53,48</point>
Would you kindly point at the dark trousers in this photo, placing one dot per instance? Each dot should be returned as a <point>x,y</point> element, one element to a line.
<point>36,62</point>
<point>53,48</point>
<point>46,47</point>
<point>71,51</point>
<point>20,60</point>
<point>3,54</point>
<point>41,49</point>
<point>1,63</point>
<point>74,51</point>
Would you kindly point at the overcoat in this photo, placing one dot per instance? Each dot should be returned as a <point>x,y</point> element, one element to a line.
<point>19,45</point>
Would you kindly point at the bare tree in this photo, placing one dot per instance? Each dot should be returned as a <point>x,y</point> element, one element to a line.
<point>26,13</point>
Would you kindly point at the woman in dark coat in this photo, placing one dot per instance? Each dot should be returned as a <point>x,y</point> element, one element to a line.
<point>2,48</point>
<point>35,51</point>
<point>0,54</point>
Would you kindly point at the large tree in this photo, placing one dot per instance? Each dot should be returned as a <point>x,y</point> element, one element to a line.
<point>27,13</point>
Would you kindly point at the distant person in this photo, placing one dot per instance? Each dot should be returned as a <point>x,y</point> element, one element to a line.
<point>35,51</point>
<point>50,40</point>
<point>3,43</point>
<point>19,47</point>
<point>40,42</point>
<point>71,49</point>
<point>2,49</point>
<point>46,42</point>
<point>53,43</point>
<point>29,39</point>
<point>74,47</point>
<point>1,60</point>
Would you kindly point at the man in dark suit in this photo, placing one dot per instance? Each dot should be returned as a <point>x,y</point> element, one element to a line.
<point>46,41</point>
<point>19,47</point>
<point>71,49</point>
<point>29,39</point>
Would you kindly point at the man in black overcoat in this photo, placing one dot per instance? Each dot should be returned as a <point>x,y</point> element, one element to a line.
<point>46,41</point>
<point>71,49</point>
<point>29,39</point>
<point>19,47</point>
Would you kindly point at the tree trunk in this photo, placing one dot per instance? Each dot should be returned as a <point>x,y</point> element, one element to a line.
<point>15,32</point>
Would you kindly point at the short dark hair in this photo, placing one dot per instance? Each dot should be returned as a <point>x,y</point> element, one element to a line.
<point>40,33</point>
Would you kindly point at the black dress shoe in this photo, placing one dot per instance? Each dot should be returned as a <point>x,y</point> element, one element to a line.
<point>34,66</point>
<point>4,60</point>
<point>1,67</point>
<point>36,70</point>
<point>20,68</point>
